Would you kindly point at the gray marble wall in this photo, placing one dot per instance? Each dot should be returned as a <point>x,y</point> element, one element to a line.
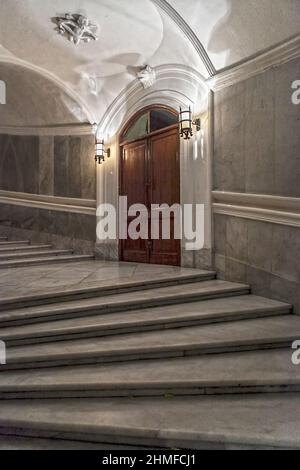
<point>56,166</point>
<point>257,135</point>
<point>62,229</point>
<point>262,254</point>
<point>257,150</point>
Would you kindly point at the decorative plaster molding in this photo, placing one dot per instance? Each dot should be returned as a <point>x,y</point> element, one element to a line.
<point>77,28</point>
<point>289,204</point>
<point>189,33</point>
<point>272,209</point>
<point>274,57</point>
<point>130,98</point>
<point>147,76</point>
<point>52,203</point>
<point>75,129</point>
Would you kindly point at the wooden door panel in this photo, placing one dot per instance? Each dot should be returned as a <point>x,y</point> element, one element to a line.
<point>150,174</point>
<point>133,185</point>
<point>165,173</point>
<point>165,189</point>
<point>134,173</point>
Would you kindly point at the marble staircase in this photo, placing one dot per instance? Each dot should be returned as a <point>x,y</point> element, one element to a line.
<point>176,361</point>
<point>21,253</point>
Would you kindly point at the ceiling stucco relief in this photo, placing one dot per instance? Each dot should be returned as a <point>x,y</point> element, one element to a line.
<point>175,86</point>
<point>132,34</point>
<point>77,28</point>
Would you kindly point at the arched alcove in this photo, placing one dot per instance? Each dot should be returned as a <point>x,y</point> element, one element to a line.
<point>176,86</point>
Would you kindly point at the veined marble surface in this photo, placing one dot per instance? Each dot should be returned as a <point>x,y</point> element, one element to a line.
<point>36,279</point>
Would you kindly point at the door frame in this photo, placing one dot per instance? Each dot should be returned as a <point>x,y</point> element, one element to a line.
<point>147,137</point>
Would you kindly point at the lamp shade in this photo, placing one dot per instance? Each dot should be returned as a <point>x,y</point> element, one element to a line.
<point>186,123</point>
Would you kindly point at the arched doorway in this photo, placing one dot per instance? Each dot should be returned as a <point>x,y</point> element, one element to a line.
<point>150,174</point>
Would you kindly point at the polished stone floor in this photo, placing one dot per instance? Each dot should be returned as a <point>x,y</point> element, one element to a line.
<point>33,279</point>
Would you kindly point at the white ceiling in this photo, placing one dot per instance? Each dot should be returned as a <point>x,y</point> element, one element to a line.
<point>132,33</point>
<point>232,30</point>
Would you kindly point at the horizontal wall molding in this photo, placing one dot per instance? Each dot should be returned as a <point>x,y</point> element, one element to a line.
<point>75,129</point>
<point>52,203</point>
<point>273,57</point>
<point>272,209</point>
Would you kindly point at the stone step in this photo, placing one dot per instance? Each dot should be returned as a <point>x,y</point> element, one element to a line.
<point>5,244</point>
<point>108,287</point>
<point>3,239</point>
<point>246,335</point>
<point>268,371</point>
<point>44,260</point>
<point>25,248</point>
<point>151,319</point>
<point>124,302</point>
<point>33,254</point>
<point>212,422</point>
<point>28,443</point>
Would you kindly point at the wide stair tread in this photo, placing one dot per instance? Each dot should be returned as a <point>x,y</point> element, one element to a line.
<point>265,333</point>
<point>232,373</point>
<point>106,287</point>
<point>33,254</point>
<point>45,260</point>
<point>7,243</point>
<point>169,316</point>
<point>24,249</point>
<point>126,301</point>
<point>259,421</point>
<point>28,443</point>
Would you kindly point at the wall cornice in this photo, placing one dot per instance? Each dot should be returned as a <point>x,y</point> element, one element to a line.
<point>272,209</point>
<point>52,203</point>
<point>274,57</point>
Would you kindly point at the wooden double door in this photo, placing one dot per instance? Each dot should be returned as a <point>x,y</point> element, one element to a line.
<point>150,174</point>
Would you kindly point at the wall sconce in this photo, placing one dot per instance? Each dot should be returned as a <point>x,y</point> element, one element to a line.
<point>187,123</point>
<point>100,151</point>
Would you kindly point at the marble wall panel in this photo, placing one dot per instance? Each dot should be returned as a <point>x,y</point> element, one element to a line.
<point>56,166</point>
<point>257,135</point>
<point>265,255</point>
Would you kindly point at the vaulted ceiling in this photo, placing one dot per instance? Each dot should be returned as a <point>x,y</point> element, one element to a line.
<point>52,81</point>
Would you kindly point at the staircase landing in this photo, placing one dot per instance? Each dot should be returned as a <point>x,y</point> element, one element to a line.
<point>104,355</point>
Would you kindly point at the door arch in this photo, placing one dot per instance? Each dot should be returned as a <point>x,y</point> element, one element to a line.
<point>150,174</point>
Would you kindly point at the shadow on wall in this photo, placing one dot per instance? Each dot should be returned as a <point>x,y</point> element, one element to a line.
<point>220,33</point>
<point>94,84</point>
<point>243,28</point>
<point>35,100</point>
